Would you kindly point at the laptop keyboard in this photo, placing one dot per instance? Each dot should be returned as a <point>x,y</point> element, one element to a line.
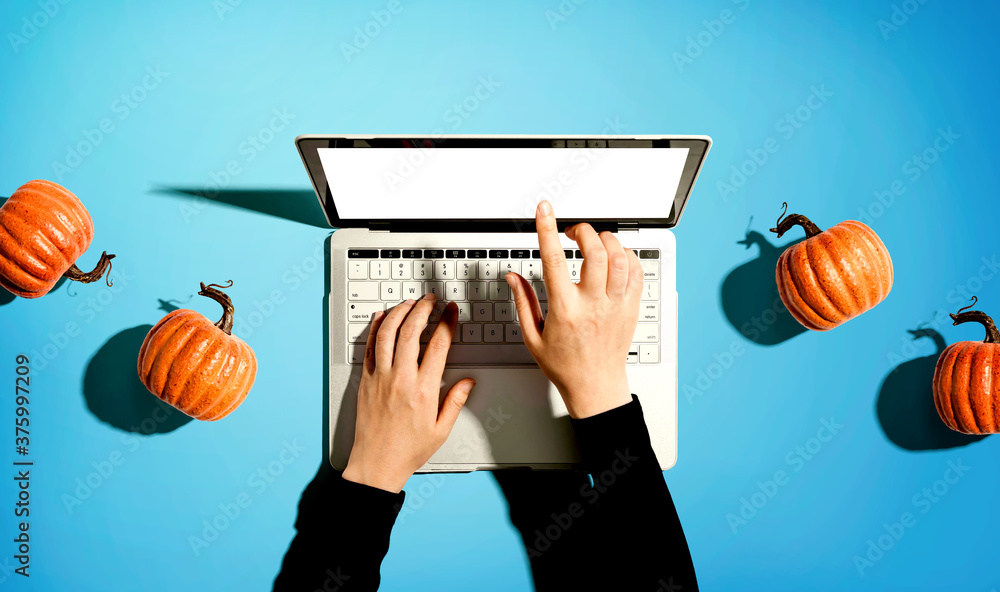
<point>488,330</point>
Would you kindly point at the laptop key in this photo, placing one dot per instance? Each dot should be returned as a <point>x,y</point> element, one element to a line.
<point>444,270</point>
<point>503,311</point>
<point>400,270</point>
<point>488,270</point>
<point>412,253</point>
<point>378,269</point>
<point>436,288</point>
<point>466,270</point>
<point>472,333</point>
<point>649,353</point>
<point>507,266</point>
<point>454,253</point>
<point>422,270</point>
<point>649,254</point>
<point>498,253</point>
<point>390,253</point>
<point>362,253</point>
<point>357,270</point>
<point>499,291</point>
<point>649,312</point>
<point>514,333</point>
<point>361,312</point>
<point>391,291</point>
<point>650,268</point>
<point>433,253</point>
<point>477,254</point>
<point>493,333</point>
<point>362,290</point>
<point>519,253</point>
<point>483,312</point>
<point>489,354</point>
<point>646,333</point>
<point>356,353</point>
<point>357,332</point>
<point>477,291</point>
<point>413,290</point>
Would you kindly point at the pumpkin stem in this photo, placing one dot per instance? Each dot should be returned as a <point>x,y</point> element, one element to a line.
<point>74,273</point>
<point>226,322</point>
<point>977,316</point>
<point>783,226</point>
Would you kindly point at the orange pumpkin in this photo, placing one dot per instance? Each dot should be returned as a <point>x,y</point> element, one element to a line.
<point>43,231</point>
<point>833,275</point>
<point>197,366</point>
<point>967,379</point>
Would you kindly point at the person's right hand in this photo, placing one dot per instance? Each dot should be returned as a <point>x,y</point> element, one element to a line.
<point>589,326</point>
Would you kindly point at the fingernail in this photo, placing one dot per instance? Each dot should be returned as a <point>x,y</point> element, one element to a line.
<point>408,301</point>
<point>429,296</point>
<point>544,207</point>
<point>378,315</point>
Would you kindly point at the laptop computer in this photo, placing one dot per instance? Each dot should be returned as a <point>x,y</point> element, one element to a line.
<point>451,215</point>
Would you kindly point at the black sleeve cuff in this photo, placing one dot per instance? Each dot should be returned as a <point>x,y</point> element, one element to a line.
<point>616,434</point>
<point>379,505</point>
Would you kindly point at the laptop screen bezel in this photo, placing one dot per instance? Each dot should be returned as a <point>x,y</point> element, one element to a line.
<point>309,145</point>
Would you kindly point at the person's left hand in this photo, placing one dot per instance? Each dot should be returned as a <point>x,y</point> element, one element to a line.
<point>399,424</point>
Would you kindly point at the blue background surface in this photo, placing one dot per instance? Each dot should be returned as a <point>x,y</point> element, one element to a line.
<point>598,68</point>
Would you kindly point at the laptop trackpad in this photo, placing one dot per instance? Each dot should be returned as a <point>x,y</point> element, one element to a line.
<point>514,416</point>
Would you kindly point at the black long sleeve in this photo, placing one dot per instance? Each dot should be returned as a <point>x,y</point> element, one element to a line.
<point>639,535</point>
<point>343,535</point>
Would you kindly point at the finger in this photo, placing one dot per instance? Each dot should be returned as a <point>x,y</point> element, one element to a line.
<point>618,264</point>
<point>529,313</point>
<point>436,353</point>
<point>453,402</point>
<point>377,319</point>
<point>636,276</point>
<point>385,340</point>
<point>594,272</point>
<point>408,344</point>
<point>554,271</point>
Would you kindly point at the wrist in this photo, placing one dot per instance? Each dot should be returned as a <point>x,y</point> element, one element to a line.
<point>391,481</point>
<point>598,397</point>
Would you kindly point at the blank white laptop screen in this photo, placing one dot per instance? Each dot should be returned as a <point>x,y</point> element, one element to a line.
<point>499,183</point>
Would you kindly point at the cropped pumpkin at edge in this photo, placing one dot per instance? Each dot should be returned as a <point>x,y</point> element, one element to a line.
<point>44,229</point>
<point>834,275</point>
<point>967,378</point>
<point>195,365</point>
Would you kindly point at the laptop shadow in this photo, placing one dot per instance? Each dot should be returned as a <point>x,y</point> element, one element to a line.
<point>313,503</point>
<point>116,396</point>
<point>905,404</point>
<point>290,204</point>
<point>749,295</point>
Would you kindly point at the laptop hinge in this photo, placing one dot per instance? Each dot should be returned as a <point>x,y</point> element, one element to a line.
<point>378,227</point>
<point>628,225</point>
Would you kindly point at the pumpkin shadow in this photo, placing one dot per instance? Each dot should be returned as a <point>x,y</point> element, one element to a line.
<point>290,204</point>
<point>905,404</point>
<point>8,297</point>
<point>749,295</point>
<point>116,396</point>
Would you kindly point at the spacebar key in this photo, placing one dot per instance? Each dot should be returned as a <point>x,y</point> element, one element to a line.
<point>489,354</point>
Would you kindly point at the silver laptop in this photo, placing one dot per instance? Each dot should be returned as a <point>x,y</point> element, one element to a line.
<point>452,215</point>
